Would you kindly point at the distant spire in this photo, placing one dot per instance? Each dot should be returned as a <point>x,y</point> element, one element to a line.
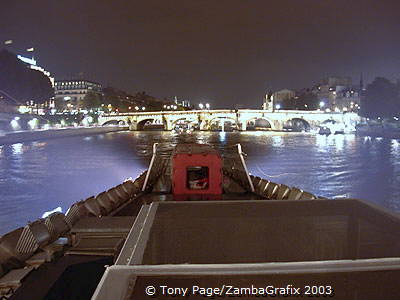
<point>270,93</point>
<point>361,82</point>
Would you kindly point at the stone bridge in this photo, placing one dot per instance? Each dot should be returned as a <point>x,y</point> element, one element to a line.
<point>241,119</point>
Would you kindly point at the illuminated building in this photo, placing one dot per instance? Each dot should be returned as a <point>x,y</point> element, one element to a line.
<point>183,103</point>
<point>339,94</point>
<point>75,90</point>
<point>274,100</point>
<point>284,94</point>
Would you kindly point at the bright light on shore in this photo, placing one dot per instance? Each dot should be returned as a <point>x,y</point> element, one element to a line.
<point>14,124</point>
<point>32,123</point>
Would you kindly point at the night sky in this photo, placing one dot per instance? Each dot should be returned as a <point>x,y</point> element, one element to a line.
<point>223,51</point>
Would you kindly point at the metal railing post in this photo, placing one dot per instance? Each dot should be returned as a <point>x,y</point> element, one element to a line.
<point>146,179</point>
<point>245,167</point>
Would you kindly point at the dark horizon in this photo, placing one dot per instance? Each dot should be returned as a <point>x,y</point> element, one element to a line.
<point>226,53</point>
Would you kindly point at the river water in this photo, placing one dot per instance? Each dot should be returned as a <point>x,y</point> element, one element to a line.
<point>36,177</point>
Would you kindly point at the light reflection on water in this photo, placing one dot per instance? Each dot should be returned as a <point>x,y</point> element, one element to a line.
<point>40,176</point>
<point>17,148</point>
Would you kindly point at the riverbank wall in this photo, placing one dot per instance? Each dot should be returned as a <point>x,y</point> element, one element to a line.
<point>28,136</point>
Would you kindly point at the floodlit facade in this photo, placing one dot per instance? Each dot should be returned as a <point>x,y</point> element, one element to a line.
<point>275,100</point>
<point>75,90</point>
<point>338,94</point>
<point>284,94</point>
<point>183,103</point>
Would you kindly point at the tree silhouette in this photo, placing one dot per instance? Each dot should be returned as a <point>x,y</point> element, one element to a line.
<point>91,100</point>
<point>381,99</point>
<point>21,82</point>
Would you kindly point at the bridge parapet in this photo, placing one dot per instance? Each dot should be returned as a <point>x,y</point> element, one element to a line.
<point>241,118</point>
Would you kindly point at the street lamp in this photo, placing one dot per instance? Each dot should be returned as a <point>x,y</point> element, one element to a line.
<point>201,105</point>
<point>208,105</point>
<point>278,106</point>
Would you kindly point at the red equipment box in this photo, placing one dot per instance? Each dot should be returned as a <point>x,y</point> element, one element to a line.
<point>196,170</point>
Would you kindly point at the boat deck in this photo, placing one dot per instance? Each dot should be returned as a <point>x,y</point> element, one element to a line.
<point>348,245</point>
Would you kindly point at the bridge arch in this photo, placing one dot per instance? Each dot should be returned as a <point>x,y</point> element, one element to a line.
<point>213,126</point>
<point>186,120</point>
<point>114,122</point>
<point>297,124</point>
<point>327,121</point>
<point>141,125</point>
<point>259,122</point>
<point>183,120</point>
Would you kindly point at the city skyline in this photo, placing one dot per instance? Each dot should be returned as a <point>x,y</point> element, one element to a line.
<point>219,52</point>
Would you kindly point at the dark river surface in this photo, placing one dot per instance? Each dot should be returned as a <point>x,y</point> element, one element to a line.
<point>36,177</point>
